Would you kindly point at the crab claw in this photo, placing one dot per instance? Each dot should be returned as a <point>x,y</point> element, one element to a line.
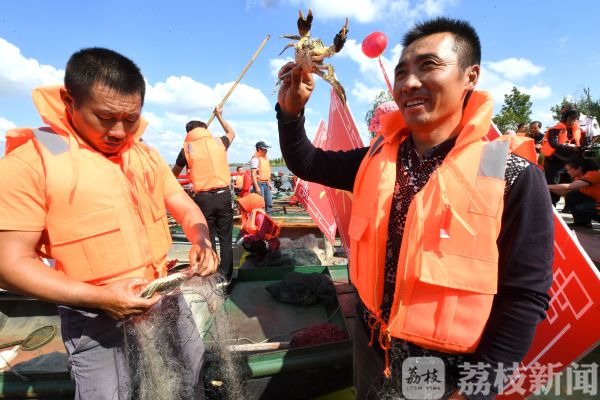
<point>304,24</point>
<point>340,38</point>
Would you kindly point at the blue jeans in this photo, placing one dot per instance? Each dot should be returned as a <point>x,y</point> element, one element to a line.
<point>265,192</point>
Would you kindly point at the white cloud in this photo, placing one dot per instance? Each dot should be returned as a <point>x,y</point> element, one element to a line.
<point>184,95</point>
<point>515,68</point>
<point>166,133</point>
<point>19,75</point>
<point>276,63</point>
<point>363,93</point>
<point>365,11</point>
<point>537,92</point>
<point>498,86</point>
<point>5,125</point>
<point>369,67</point>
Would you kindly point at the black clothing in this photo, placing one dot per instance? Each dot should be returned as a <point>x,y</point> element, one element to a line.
<point>564,151</point>
<point>182,161</point>
<point>216,207</point>
<point>537,138</point>
<point>554,170</point>
<point>525,242</point>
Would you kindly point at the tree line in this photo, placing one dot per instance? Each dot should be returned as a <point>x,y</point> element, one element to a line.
<point>515,110</point>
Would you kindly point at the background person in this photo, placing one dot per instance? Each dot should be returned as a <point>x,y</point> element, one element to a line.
<point>86,192</point>
<point>261,175</point>
<point>535,132</point>
<point>561,142</point>
<point>582,196</point>
<point>206,158</point>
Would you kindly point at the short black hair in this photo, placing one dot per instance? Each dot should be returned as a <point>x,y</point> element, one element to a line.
<point>195,124</point>
<point>539,124</point>
<point>569,113</point>
<point>586,164</point>
<point>96,65</point>
<point>467,44</point>
<point>521,125</point>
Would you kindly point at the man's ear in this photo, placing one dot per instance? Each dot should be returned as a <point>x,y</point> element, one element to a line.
<point>473,76</point>
<point>67,100</point>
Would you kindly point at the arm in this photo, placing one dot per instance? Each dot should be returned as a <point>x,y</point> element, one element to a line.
<point>563,188</point>
<point>254,175</point>
<point>180,164</point>
<point>553,142</point>
<point>525,247</point>
<point>336,169</point>
<point>229,132</point>
<point>202,257</point>
<point>22,271</point>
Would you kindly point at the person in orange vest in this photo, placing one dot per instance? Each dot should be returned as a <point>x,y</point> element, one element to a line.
<point>582,196</point>
<point>261,175</point>
<point>85,191</point>
<point>451,237</point>
<point>205,157</point>
<point>521,129</point>
<point>561,142</point>
<point>238,181</point>
<point>259,234</point>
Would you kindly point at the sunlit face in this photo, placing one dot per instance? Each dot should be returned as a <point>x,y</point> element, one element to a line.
<point>106,120</point>
<point>573,172</point>
<point>534,129</point>
<point>262,152</point>
<point>429,85</point>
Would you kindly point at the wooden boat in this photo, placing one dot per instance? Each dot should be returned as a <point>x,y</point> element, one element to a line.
<point>277,373</point>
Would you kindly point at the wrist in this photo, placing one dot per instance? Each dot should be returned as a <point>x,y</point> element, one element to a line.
<point>288,115</point>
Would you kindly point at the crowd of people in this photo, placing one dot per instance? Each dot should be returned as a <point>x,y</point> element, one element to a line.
<point>451,237</point>
<point>568,173</point>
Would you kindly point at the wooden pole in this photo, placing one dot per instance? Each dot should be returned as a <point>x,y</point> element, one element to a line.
<point>239,78</point>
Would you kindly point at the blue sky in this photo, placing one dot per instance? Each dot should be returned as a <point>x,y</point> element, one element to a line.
<point>191,51</point>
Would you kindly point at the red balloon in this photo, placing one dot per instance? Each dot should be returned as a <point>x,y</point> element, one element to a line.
<point>374,44</point>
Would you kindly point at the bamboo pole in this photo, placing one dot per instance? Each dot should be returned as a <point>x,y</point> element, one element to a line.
<point>239,78</point>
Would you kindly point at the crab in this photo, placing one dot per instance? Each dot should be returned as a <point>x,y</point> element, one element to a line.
<point>311,52</point>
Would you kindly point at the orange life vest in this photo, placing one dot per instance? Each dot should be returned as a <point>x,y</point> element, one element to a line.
<point>251,227</point>
<point>207,160</point>
<point>448,265</point>
<point>264,168</point>
<point>239,181</point>
<point>563,137</point>
<point>104,221</point>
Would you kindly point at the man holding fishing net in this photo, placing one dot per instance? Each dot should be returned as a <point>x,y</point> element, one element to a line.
<point>86,192</point>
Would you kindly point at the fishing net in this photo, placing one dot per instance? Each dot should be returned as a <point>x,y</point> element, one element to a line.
<point>325,332</point>
<point>163,349</point>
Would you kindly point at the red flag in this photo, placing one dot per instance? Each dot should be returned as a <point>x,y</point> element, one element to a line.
<point>342,134</point>
<point>570,329</point>
<point>314,198</point>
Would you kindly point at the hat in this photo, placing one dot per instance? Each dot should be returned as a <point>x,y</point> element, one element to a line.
<point>262,145</point>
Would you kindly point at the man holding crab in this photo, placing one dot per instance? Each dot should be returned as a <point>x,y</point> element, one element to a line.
<point>451,237</point>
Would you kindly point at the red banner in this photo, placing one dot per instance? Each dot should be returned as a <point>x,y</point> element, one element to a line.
<point>570,329</point>
<point>314,198</point>
<point>342,134</point>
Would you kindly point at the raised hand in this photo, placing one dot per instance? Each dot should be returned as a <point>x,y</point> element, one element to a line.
<point>296,88</point>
